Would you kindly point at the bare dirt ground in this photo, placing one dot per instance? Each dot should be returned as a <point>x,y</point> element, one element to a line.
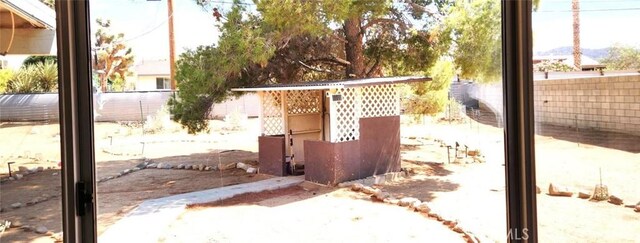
<point>118,196</point>
<point>309,213</point>
<point>473,194</point>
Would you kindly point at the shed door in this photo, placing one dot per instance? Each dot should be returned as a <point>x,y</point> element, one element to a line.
<point>304,120</point>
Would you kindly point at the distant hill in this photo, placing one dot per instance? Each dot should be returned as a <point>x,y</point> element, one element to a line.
<point>596,54</point>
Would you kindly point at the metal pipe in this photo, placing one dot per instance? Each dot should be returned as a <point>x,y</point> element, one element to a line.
<point>9,165</point>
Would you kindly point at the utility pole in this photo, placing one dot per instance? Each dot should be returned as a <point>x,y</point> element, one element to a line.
<point>577,53</point>
<point>172,55</point>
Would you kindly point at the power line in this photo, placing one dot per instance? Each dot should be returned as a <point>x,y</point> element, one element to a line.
<point>589,10</point>
<point>150,30</point>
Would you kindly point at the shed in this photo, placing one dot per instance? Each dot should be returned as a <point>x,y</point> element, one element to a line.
<point>332,131</point>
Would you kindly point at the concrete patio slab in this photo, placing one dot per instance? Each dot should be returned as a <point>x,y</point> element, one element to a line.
<point>147,222</point>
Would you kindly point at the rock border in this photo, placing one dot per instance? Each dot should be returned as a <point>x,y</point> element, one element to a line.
<point>24,171</point>
<point>39,199</point>
<point>560,191</point>
<point>415,205</point>
<point>40,229</point>
<point>109,149</point>
<point>150,164</point>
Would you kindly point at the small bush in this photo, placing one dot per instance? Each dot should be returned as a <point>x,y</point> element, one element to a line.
<point>552,66</point>
<point>5,76</point>
<point>235,121</point>
<point>36,78</point>
<point>160,122</point>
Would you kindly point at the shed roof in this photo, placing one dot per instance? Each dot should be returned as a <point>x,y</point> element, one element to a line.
<point>335,84</point>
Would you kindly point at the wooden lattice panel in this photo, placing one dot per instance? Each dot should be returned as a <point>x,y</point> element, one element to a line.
<point>304,102</point>
<point>272,120</point>
<point>345,114</point>
<point>379,101</point>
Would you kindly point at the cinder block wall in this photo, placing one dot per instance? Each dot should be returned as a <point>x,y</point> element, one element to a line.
<point>610,103</point>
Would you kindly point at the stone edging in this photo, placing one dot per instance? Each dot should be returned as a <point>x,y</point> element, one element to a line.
<point>109,150</point>
<point>57,237</point>
<point>24,171</point>
<point>561,191</point>
<point>39,199</point>
<point>150,164</point>
<point>415,205</point>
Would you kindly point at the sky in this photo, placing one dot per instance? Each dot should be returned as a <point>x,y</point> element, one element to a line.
<point>614,21</point>
<point>144,24</point>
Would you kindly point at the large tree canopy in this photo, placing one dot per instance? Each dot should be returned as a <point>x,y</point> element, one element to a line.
<point>297,41</point>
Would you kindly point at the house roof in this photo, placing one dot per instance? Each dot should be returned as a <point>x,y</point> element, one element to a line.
<point>335,84</point>
<point>153,68</point>
<point>30,13</point>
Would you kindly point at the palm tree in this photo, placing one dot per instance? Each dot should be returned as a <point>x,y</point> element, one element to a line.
<point>577,54</point>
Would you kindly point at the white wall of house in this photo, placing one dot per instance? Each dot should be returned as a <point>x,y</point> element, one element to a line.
<point>248,104</point>
<point>146,83</point>
<point>28,41</point>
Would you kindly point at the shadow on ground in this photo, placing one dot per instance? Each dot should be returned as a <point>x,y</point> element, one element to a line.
<point>265,198</point>
<point>423,189</point>
<point>612,140</point>
<point>425,182</point>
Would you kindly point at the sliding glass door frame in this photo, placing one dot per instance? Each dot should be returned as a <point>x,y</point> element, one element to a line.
<point>517,76</point>
<point>76,121</point>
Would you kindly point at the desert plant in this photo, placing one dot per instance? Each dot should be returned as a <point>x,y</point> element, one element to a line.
<point>5,76</point>
<point>47,76</point>
<point>36,78</point>
<point>23,81</point>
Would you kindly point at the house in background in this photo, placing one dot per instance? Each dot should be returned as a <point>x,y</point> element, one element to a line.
<point>151,75</point>
<point>587,63</point>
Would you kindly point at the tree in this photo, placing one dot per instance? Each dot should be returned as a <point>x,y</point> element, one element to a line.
<point>622,57</point>
<point>113,58</point>
<point>39,59</point>
<point>552,66</point>
<point>305,40</point>
<point>431,97</point>
<point>577,53</point>
<point>474,28</point>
